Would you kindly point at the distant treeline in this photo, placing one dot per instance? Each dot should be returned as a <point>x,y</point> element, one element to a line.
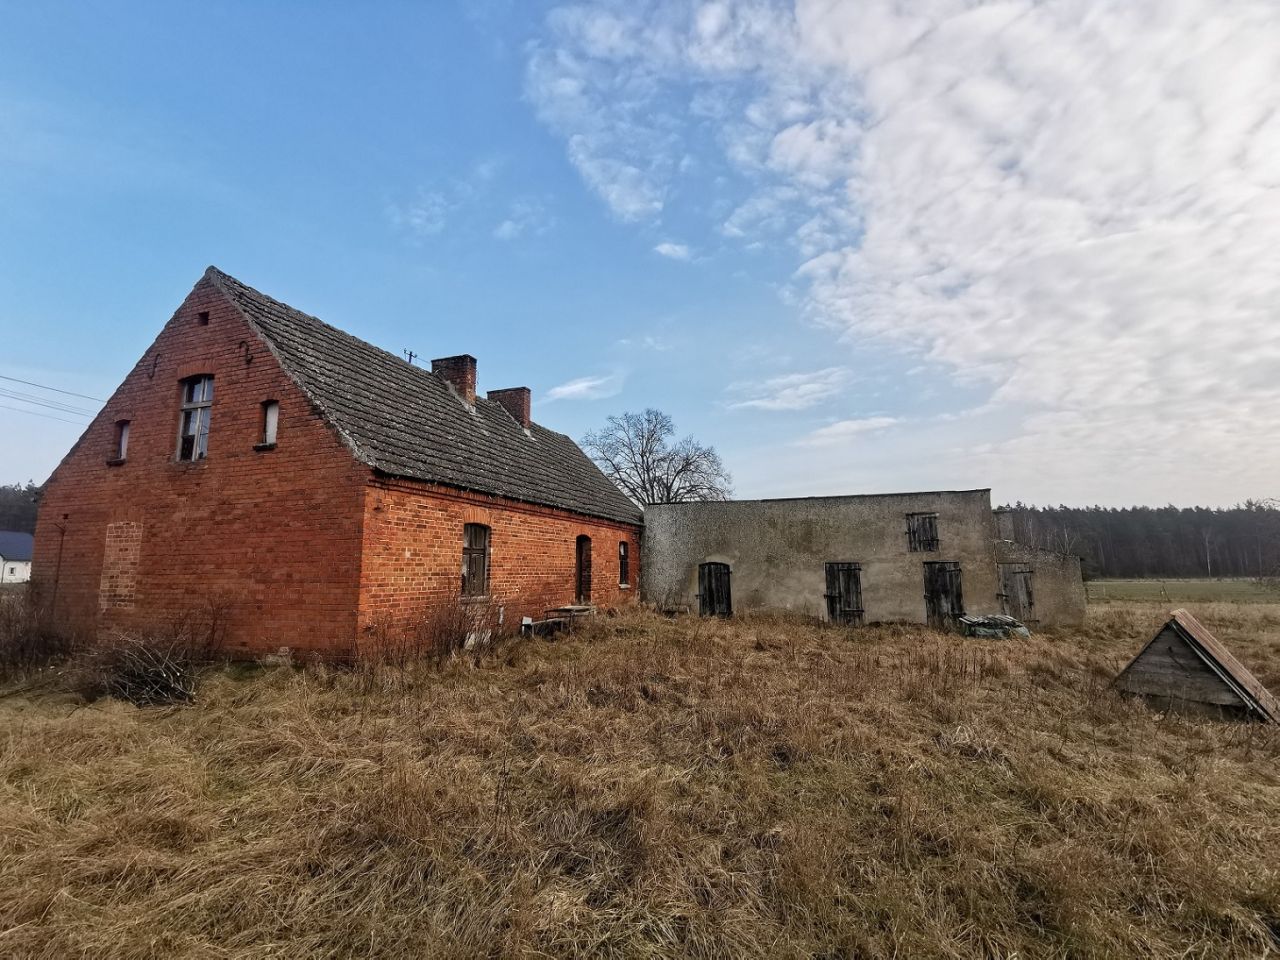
<point>18,507</point>
<point>1240,541</point>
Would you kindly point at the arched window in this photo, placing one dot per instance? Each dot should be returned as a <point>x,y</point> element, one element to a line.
<point>475,560</point>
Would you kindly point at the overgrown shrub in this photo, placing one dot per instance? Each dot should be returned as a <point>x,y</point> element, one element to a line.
<point>26,642</point>
<point>440,631</point>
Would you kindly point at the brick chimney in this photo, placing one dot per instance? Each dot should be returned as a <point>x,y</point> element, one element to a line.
<point>461,372</point>
<point>516,402</point>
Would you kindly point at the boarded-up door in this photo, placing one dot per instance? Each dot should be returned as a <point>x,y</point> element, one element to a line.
<point>943,599</point>
<point>714,596</point>
<point>844,593</point>
<point>1016,598</point>
<point>584,569</point>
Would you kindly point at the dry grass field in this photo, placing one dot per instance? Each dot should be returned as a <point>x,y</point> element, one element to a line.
<point>653,788</point>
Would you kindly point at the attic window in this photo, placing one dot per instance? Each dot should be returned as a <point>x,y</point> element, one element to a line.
<point>193,425</point>
<point>270,421</point>
<point>120,449</point>
<point>202,318</point>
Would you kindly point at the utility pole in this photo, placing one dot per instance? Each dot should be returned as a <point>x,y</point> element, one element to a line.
<point>410,355</point>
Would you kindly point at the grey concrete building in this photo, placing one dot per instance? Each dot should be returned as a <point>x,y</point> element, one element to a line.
<point>913,557</point>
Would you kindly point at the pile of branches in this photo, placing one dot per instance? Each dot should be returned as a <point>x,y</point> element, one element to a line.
<point>143,670</point>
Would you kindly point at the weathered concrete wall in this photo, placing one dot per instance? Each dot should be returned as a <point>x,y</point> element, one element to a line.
<point>1057,584</point>
<point>778,550</point>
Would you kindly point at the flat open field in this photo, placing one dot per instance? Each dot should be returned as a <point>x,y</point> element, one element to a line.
<point>1180,591</point>
<point>650,787</point>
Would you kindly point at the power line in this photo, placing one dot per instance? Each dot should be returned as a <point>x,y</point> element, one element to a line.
<point>82,396</point>
<point>44,402</point>
<point>34,413</point>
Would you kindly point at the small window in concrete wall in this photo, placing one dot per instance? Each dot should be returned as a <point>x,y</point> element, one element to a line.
<point>193,427</point>
<point>922,532</point>
<point>715,596</point>
<point>943,598</point>
<point>475,560</point>
<point>844,593</point>
<point>583,567</point>
<point>624,565</point>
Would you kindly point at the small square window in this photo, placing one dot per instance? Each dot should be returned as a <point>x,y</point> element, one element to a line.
<point>202,318</point>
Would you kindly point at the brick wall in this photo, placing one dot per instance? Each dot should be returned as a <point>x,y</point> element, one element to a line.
<point>271,537</point>
<point>413,552</point>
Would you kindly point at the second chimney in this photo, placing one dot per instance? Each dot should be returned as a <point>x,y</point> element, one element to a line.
<point>461,372</point>
<point>515,400</point>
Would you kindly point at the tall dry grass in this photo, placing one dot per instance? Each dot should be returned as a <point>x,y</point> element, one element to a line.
<point>653,787</point>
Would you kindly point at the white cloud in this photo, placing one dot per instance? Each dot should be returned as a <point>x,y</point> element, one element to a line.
<point>673,251</point>
<point>425,215</point>
<point>793,391</point>
<point>587,388</point>
<point>527,217</point>
<point>842,431</point>
<point>1071,207</point>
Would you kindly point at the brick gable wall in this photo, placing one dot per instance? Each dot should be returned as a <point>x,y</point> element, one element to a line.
<point>269,537</point>
<point>413,552</point>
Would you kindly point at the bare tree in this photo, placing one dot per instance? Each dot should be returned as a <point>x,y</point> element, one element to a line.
<point>636,451</point>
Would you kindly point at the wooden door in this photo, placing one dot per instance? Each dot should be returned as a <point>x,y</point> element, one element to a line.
<point>1016,597</point>
<point>943,599</point>
<point>844,593</point>
<point>583,586</point>
<point>714,596</point>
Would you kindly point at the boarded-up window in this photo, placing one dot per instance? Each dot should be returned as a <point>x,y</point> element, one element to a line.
<point>624,565</point>
<point>922,532</point>
<point>120,556</point>
<point>475,560</point>
<point>844,593</point>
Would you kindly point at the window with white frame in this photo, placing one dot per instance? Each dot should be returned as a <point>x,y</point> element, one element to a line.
<point>193,427</point>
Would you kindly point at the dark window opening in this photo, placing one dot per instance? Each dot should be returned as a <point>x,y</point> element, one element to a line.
<point>202,318</point>
<point>583,567</point>
<point>922,532</point>
<point>193,427</point>
<point>624,565</point>
<point>715,596</point>
<point>475,560</point>
<point>844,593</point>
<point>943,598</point>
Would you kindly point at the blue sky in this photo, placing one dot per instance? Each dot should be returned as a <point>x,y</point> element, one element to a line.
<point>850,261</point>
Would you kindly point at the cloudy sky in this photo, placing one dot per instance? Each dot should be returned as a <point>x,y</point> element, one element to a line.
<point>856,245</point>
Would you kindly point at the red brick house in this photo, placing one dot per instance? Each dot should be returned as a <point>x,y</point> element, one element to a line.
<point>310,486</point>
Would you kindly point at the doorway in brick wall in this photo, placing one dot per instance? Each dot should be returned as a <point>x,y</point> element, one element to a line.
<point>583,562</point>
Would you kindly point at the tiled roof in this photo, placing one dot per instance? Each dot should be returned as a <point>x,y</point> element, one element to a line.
<point>15,545</point>
<point>405,421</point>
